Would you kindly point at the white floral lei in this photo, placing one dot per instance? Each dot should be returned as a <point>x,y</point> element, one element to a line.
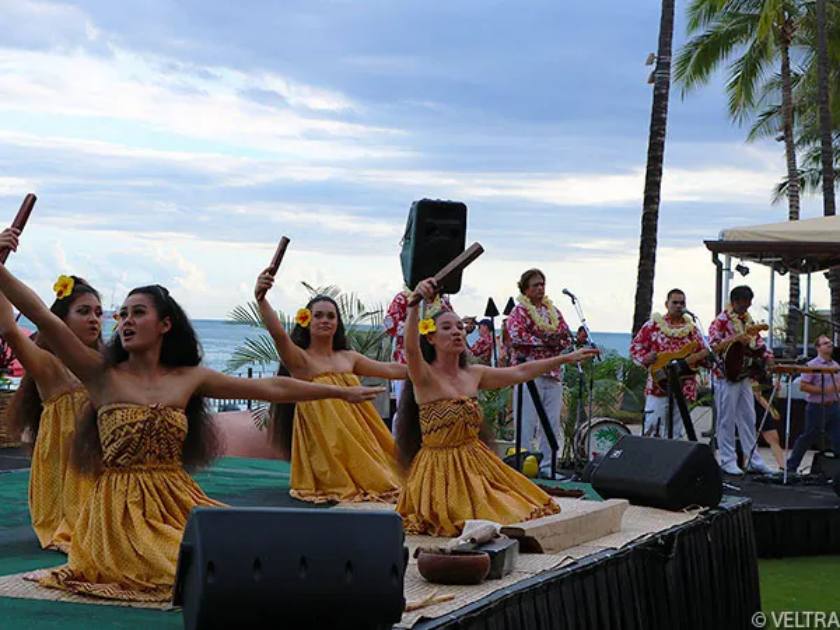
<point>740,325</point>
<point>673,331</point>
<point>553,322</point>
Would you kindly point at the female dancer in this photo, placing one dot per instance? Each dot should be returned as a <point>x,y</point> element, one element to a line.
<point>48,403</point>
<point>150,422</point>
<point>454,476</point>
<point>340,452</point>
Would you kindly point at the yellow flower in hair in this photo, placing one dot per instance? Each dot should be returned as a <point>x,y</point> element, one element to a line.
<point>427,326</point>
<point>303,317</point>
<point>63,287</point>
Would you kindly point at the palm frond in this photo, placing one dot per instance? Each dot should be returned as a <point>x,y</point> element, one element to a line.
<point>248,314</point>
<point>253,351</point>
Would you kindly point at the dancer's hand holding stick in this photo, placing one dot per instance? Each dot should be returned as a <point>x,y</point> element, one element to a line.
<point>11,235</point>
<point>271,270</point>
<point>457,264</point>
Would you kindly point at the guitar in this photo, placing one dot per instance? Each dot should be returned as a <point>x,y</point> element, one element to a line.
<point>687,357</point>
<point>739,360</point>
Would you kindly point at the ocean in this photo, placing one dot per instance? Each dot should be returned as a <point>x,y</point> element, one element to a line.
<point>219,338</point>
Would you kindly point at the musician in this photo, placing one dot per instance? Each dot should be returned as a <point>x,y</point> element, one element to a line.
<point>537,330</point>
<point>672,332</point>
<point>482,348</point>
<point>822,403</point>
<point>734,399</point>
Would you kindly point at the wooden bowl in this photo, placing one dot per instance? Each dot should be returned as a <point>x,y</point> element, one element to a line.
<point>457,567</point>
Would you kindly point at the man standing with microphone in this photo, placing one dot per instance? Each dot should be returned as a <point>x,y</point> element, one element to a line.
<point>671,332</point>
<point>537,330</point>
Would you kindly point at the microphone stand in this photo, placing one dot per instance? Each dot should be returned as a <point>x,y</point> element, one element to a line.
<point>589,341</point>
<point>714,361</point>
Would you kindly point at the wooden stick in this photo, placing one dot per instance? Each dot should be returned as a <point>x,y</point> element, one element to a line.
<point>20,219</point>
<point>278,255</point>
<point>454,266</point>
<point>430,600</point>
<point>276,260</point>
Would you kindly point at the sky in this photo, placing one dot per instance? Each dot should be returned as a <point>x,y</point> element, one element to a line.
<point>175,142</point>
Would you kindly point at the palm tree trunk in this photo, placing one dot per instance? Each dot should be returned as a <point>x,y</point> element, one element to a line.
<point>653,173</point>
<point>793,318</point>
<point>826,148</point>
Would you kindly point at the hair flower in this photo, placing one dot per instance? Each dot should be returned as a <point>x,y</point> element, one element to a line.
<point>427,326</point>
<point>63,286</point>
<point>303,317</point>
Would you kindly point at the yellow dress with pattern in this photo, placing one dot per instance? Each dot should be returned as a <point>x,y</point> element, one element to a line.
<point>57,490</point>
<point>455,477</point>
<point>127,537</point>
<point>342,451</point>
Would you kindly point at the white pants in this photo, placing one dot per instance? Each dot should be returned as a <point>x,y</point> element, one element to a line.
<point>533,437</point>
<point>656,417</point>
<point>736,409</point>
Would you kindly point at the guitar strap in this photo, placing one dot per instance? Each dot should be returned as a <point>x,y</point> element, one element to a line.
<point>675,393</point>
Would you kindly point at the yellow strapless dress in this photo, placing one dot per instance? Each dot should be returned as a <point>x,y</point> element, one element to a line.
<point>125,545</point>
<point>341,451</point>
<point>455,477</point>
<point>57,490</point>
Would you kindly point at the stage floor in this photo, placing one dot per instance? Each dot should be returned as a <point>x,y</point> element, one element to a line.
<point>249,482</point>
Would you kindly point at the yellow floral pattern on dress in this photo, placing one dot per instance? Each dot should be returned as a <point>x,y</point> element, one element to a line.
<point>56,490</point>
<point>342,452</point>
<point>455,477</point>
<point>128,534</point>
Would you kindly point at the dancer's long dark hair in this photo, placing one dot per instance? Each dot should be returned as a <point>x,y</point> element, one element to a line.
<point>408,435</point>
<point>281,415</point>
<point>180,348</point>
<point>25,408</point>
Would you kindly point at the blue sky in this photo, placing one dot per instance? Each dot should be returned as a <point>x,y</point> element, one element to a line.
<point>175,142</point>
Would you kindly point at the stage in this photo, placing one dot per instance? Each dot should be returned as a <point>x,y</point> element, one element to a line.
<point>698,573</point>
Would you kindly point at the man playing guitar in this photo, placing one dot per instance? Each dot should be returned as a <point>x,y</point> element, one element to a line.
<point>734,398</point>
<point>660,340</point>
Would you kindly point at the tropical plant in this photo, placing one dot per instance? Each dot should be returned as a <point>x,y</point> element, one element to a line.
<point>653,171</point>
<point>753,36</point>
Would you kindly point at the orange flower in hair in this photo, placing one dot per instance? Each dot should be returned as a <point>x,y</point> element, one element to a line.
<point>63,287</point>
<point>427,326</point>
<point>303,317</point>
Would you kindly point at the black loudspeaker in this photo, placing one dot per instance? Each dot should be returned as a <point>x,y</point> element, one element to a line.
<point>291,568</point>
<point>826,463</point>
<point>669,474</point>
<point>435,233</point>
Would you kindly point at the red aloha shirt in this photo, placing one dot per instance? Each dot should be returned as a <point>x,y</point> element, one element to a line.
<point>394,322</point>
<point>529,343</point>
<point>722,327</point>
<point>482,349</point>
<point>651,338</point>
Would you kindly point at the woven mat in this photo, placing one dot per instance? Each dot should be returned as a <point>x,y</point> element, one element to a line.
<point>16,586</point>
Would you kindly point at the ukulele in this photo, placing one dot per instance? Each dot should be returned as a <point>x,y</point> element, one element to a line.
<point>687,357</point>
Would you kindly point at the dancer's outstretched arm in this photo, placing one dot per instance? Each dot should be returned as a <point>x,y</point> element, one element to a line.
<point>495,378</point>
<point>418,370</point>
<point>278,389</point>
<point>86,363</point>
<point>365,366</point>
<point>292,356</point>
<point>38,363</point>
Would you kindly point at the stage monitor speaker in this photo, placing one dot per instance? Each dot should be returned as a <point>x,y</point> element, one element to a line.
<point>826,463</point>
<point>435,233</point>
<point>669,474</point>
<point>291,568</point>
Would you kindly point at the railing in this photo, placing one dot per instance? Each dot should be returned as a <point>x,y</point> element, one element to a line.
<point>237,404</point>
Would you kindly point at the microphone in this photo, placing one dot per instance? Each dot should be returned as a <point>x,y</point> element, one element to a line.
<point>689,313</point>
<point>570,294</point>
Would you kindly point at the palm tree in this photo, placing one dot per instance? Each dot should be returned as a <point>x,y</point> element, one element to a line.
<point>653,172</point>
<point>826,144</point>
<point>758,34</point>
